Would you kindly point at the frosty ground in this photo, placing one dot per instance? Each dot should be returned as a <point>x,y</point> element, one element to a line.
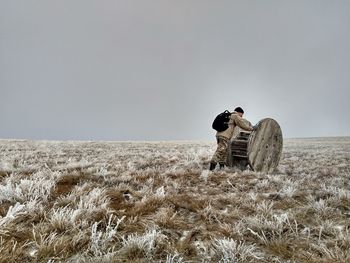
<point>152,202</point>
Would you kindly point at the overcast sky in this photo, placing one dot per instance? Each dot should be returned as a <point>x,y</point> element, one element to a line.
<point>162,70</point>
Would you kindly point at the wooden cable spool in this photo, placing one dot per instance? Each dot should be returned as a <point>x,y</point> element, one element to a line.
<point>261,149</point>
<point>238,154</point>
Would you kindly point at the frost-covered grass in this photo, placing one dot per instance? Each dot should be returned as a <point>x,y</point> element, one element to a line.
<point>152,202</point>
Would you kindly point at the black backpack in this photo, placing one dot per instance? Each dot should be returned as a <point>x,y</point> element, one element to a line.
<point>221,121</point>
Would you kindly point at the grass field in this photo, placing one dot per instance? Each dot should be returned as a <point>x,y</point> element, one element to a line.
<point>153,202</point>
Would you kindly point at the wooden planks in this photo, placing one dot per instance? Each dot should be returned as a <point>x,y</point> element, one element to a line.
<point>238,151</point>
<point>238,134</point>
<point>265,146</point>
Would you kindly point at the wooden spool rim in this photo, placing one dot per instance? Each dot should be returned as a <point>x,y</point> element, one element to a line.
<point>252,137</point>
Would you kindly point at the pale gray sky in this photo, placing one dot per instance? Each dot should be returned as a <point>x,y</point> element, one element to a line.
<point>162,70</point>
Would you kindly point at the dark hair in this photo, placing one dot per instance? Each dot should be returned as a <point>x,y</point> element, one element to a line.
<point>239,109</point>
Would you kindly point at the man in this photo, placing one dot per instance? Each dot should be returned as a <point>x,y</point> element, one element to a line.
<point>223,138</point>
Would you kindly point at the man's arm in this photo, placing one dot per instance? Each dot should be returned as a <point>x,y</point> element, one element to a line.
<point>240,123</point>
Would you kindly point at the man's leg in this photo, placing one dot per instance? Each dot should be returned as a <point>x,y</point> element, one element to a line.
<point>214,159</point>
<point>222,165</point>
<point>212,166</point>
<point>220,155</point>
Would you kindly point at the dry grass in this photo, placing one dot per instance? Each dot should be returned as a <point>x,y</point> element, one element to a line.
<point>144,202</point>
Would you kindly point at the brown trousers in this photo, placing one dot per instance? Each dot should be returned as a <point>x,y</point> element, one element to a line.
<point>221,153</point>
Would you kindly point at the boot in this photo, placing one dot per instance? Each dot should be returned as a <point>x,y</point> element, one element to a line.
<point>212,166</point>
<point>222,165</point>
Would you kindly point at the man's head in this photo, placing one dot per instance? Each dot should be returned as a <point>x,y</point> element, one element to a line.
<point>239,111</point>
